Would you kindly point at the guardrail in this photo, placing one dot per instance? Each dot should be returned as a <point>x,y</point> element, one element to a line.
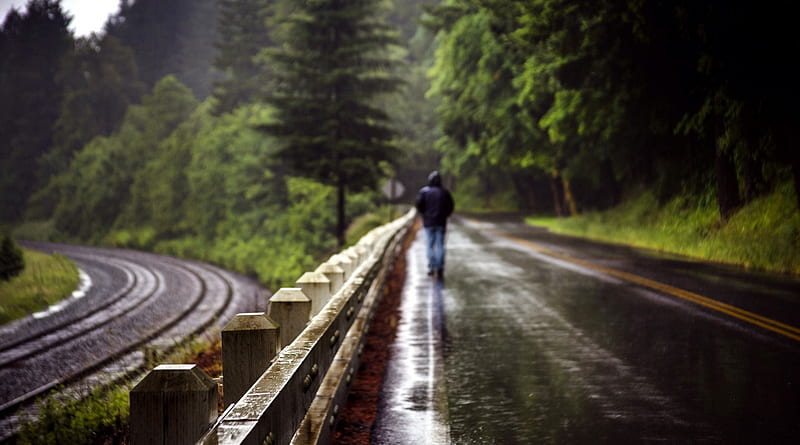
<point>285,372</point>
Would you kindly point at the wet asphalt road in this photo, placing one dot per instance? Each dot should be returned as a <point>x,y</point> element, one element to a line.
<point>517,346</point>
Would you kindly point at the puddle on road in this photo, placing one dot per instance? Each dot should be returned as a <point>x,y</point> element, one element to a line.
<point>413,405</point>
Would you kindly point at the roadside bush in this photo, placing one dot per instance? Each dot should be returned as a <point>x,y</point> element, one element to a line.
<point>364,223</point>
<point>11,260</point>
<point>101,417</point>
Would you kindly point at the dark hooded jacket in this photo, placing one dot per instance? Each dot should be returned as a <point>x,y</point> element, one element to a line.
<point>434,202</point>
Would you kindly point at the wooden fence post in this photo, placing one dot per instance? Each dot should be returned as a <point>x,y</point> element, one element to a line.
<point>317,287</point>
<point>173,404</point>
<point>291,309</point>
<point>334,273</point>
<point>249,342</point>
<point>354,257</point>
<point>345,263</point>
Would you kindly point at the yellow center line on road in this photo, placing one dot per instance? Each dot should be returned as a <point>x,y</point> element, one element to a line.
<point>741,314</point>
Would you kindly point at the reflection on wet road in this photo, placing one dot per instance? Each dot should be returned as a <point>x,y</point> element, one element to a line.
<point>413,407</point>
<point>536,349</point>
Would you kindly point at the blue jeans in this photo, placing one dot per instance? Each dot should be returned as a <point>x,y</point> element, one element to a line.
<point>434,237</point>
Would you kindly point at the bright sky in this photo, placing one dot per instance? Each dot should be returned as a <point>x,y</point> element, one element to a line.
<point>87,15</point>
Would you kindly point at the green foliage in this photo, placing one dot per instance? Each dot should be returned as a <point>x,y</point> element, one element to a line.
<point>280,246</point>
<point>175,37</point>
<point>61,92</point>
<point>764,234</point>
<point>11,260</point>
<point>231,172</point>
<point>170,175</point>
<point>411,112</point>
<point>333,66</point>
<point>274,246</point>
<point>37,230</point>
<point>215,193</point>
<point>102,173</point>
<point>46,279</point>
<point>489,117</point>
<point>100,83</point>
<point>472,196</point>
<point>178,180</point>
<point>102,415</point>
<point>246,28</point>
<point>366,222</point>
<point>142,238</point>
<point>669,95</point>
<point>32,45</point>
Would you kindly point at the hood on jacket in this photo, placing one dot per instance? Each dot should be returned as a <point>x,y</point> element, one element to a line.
<point>434,179</point>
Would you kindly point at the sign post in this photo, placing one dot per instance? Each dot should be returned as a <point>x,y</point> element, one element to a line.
<point>393,189</point>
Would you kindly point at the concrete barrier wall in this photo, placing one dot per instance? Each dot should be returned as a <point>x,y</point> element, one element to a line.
<point>317,329</point>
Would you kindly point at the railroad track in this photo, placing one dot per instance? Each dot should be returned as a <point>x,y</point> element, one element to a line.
<point>137,300</point>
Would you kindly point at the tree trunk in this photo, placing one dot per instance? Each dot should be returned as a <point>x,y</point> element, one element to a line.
<point>340,215</point>
<point>727,184</point>
<point>569,198</point>
<point>557,187</point>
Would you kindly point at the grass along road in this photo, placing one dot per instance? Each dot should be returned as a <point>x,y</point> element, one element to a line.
<point>764,234</point>
<point>46,280</point>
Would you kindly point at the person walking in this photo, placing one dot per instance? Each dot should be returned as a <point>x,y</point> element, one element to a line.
<point>435,204</point>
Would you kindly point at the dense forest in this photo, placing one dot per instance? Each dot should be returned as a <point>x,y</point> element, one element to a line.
<point>153,134</point>
<point>201,128</point>
<point>590,99</point>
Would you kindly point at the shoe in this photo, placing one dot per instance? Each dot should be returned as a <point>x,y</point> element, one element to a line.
<point>430,273</point>
<point>440,273</point>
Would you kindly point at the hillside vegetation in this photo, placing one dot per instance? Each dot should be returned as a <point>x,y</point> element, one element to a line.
<point>572,107</point>
<point>764,234</point>
<point>568,107</point>
<point>151,134</point>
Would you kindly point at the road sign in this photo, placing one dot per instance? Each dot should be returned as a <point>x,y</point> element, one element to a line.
<point>393,188</point>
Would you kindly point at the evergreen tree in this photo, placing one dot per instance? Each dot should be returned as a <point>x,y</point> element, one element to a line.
<point>32,47</point>
<point>330,72</point>
<point>11,260</point>
<point>245,29</point>
<point>103,172</point>
<point>197,48</point>
<point>168,37</point>
<point>100,82</point>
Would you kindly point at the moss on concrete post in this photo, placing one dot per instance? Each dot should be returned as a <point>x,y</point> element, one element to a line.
<point>291,309</point>
<point>249,342</point>
<point>173,404</point>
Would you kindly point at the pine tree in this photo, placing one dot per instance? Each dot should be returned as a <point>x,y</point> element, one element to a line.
<point>32,48</point>
<point>168,37</point>
<point>12,261</point>
<point>244,31</point>
<point>330,72</point>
